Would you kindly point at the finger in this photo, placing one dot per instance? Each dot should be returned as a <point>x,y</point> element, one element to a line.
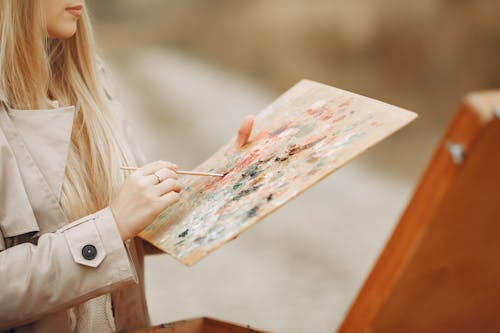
<point>155,166</point>
<point>245,131</point>
<point>166,186</point>
<point>170,198</point>
<point>153,179</point>
<point>165,173</point>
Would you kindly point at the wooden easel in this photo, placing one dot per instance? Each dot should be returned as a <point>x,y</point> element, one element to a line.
<point>440,270</point>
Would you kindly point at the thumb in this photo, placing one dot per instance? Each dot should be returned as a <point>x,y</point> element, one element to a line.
<point>245,131</point>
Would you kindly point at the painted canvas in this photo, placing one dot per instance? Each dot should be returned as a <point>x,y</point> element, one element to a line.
<point>305,135</point>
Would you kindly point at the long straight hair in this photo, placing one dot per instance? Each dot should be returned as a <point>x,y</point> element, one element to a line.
<point>33,68</point>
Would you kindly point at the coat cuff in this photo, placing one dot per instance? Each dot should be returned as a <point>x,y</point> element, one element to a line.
<point>96,238</point>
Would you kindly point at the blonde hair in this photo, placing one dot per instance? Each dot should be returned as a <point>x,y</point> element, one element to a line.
<point>33,68</point>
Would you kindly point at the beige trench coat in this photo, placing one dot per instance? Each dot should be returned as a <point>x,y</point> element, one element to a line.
<point>47,263</point>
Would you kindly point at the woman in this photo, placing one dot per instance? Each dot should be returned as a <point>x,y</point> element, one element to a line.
<point>69,260</point>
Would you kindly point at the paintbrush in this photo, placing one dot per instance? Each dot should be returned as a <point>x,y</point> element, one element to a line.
<point>181,172</point>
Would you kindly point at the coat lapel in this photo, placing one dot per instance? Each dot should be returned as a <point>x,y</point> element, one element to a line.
<point>46,134</point>
<point>16,214</point>
<point>30,203</point>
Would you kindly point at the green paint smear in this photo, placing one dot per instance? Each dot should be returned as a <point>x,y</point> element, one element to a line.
<point>321,163</point>
<point>305,130</point>
<point>237,186</point>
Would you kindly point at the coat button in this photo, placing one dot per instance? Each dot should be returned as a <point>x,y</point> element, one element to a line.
<point>89,252</point>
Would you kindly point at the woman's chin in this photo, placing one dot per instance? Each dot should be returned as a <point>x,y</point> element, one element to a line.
<point>64,33</point>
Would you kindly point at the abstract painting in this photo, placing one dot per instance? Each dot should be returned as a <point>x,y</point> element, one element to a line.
<point>302,137</point>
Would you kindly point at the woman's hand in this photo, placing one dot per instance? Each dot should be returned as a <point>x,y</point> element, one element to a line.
<point>143,196</point>
<point>245,131</point>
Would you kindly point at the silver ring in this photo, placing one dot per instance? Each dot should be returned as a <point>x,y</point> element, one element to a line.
<point>158,177</point>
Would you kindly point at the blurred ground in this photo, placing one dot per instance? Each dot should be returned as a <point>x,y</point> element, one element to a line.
<point>188,71</point>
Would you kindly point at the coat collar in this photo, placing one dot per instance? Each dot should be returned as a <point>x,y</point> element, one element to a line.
<point>29,197</point>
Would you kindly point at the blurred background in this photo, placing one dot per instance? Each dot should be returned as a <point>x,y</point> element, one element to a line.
<point>188,72</point>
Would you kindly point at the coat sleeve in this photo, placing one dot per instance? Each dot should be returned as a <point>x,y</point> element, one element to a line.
<point>79,261</point>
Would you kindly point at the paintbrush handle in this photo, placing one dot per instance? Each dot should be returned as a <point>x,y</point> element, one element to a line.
<point>196,173</point>
<point>182,172</point>
<point>128,168</point>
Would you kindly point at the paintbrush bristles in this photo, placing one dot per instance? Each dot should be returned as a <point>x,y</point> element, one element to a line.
<point>181,172</point>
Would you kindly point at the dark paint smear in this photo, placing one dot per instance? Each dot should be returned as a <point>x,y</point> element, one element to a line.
<point>267,159</point>
<point>184,233</point>
<point>252,212</point>
<point>281,159</point>
<point>199,239</point>
<point>297,149</point>
<point>246,192</point>
<point>180,242</point>
<point>252,171</point>
<point>294,149</point>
